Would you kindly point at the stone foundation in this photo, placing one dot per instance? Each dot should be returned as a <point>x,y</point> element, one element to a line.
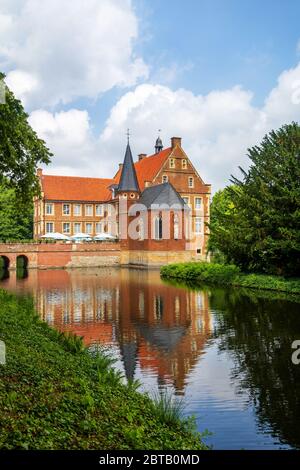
<point>154,258</point>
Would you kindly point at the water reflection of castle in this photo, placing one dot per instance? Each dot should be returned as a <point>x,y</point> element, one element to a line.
<point>162,329</point>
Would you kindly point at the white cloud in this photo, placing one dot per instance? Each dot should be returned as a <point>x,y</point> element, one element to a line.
<point>68,135</point>
<point>22,83</point>
<point>283,101</point>
<point>216,128</point>
<point>68,49</point>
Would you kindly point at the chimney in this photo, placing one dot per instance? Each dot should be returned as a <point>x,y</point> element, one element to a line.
<point>39,172</point>
<point>175,141</point>
<point>141,156</point>
<point>120,166</point>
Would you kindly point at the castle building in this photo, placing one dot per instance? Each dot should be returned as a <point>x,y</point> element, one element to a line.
<point>164,180</point>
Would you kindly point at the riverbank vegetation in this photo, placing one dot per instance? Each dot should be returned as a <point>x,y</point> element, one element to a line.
<point>229,275</point>
<point>54,394</point>
<point>255,222</point>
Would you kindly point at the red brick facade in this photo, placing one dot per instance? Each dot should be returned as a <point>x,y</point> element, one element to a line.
<point>71,204</point>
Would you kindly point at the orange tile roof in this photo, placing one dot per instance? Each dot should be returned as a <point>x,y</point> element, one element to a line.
<point>76,188</point>
<point>148,167</point>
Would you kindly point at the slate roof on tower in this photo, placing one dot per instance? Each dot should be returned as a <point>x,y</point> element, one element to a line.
<point>128,178</point>
<point>163,193</point>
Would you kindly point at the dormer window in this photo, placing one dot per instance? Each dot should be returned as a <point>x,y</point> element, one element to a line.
<point>172,163</point>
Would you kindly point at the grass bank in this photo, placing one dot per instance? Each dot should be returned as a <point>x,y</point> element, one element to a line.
<point>55,395</point>
<point>228,275</point>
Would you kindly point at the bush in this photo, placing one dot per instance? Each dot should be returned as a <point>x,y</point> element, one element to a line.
<point>222,274</point>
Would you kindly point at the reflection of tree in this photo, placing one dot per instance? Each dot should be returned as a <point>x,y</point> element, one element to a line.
<point>259,333</point>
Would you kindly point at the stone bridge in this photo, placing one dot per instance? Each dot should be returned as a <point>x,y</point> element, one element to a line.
<point>59,255</point>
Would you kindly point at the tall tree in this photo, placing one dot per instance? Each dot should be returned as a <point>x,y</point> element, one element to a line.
<point>21,151</point>
<point>262,216</point>
<point>16,218</point>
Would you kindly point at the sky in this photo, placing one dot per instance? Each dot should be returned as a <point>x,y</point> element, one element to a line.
<point>218,73</point>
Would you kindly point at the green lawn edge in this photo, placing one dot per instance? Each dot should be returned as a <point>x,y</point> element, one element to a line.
<point>55,395</point>
<point>229,275</point>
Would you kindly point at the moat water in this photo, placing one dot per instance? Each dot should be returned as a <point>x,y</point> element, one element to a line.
<point>225,352</point>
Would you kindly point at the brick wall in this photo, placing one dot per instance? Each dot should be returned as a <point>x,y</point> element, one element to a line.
<point>57,218</point>
<point>63,255</point>
<point>178,176</point>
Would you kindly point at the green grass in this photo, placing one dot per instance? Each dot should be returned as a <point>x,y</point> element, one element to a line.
<point>228,275</point>
<point>168,408</point>
<point>54,394</point>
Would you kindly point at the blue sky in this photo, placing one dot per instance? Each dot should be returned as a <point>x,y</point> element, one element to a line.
<point>218,73</point>
<point>214,44</point>
<point>226,42</point>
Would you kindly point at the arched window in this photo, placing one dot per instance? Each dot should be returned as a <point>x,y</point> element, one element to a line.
<point>176,227</point>
<point>141,230</point>
<point>158,228</point>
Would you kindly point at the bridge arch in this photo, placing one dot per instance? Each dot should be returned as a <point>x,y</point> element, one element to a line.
<point>22,262</point>
<point>4,262</point>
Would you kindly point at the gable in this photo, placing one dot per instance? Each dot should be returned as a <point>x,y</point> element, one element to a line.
<point>179,155</point>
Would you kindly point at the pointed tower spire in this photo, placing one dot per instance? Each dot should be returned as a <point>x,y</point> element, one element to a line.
<point>128,179</point>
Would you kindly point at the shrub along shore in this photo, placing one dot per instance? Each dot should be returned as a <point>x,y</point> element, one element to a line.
<point>55,395</point>
<point>228,275</point>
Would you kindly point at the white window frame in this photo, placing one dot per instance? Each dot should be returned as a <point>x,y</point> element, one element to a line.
<point>88,206</point>
<point>74,210</point>
<point>99,210</point>
<point>108,209</point>
<point>200,206</point>
<point>63,229</point>
<point>51,206</point>
<point>184,164</point>
<point>99,224</point>
<point>74,227</point>
<point>52,227</point>
<point>198,228</point>
<point>69,209</point>
<point>89,232</point>
<point>165,179</point>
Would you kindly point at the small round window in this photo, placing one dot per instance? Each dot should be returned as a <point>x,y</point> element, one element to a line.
<point>132,195</point>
